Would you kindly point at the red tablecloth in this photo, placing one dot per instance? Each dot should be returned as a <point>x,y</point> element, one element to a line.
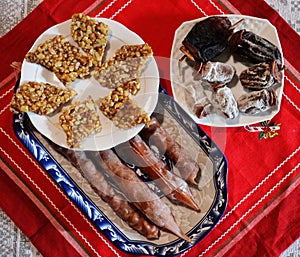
<point>262,215</point>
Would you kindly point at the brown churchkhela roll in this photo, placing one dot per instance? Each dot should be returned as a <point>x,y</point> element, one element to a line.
<point>187,166</point>
<point>138,192</point>
<point>125,210</point>
<point>174,187</point>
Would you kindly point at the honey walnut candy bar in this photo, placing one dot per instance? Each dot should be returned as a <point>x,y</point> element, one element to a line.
<point>79,121</point>
<point>122,111</point>
<point>40,98</point>
<point>90,35</point>
<point>132,86</point>
<point>126,65</point>
<point>62,58</point>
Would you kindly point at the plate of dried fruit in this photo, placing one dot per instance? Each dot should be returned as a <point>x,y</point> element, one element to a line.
<point>232,76</point>
<point>83,76</point>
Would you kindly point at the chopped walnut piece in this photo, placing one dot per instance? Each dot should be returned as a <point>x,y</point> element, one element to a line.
<point>90,35</point>
<point>122,111</point>
<point>113,102</point>
<point>127,64</point>
<point>79,121</point>
<point>64,59</point>
<point>130,115</point>
<point>41,98</point>
<point>132,86</point>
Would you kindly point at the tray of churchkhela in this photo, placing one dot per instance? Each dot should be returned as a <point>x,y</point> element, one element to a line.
<point>230,68</point>
<point>184,204</point>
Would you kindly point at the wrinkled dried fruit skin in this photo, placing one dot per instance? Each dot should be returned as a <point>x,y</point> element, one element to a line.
<point>225,103</point>
<point>254,47</point>
<point>208,38</point>
<point>203,109</point>
<point>215,72</point>
<point>262,75</point>
<point>257,101</point>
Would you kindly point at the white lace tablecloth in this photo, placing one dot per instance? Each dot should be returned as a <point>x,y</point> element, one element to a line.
<point>13,243</point>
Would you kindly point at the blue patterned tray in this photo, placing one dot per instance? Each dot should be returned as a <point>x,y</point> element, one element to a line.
<point>211,194</point>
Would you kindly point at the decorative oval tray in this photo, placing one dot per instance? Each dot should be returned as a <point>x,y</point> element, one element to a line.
<point>211,194</point>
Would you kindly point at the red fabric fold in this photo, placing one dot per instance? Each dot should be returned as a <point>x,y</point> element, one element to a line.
<point>30,219</point>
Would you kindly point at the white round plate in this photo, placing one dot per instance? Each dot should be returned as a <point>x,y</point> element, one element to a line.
<point>110,135</point>
<point>182,75</point>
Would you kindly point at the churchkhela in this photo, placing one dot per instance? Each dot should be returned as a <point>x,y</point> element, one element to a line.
<point>183,161</point>
<point>138,153</point>
<point>119,204</point>
<point>137,192</point>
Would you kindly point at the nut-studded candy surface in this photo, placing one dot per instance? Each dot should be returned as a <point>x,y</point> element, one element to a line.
<point>113,102</point>
<point>79,121</point>
<point>122,111</point>
<point>132,86</point>
<point>64,59</point>
<point>40,98</point>
<point>126,65</point>
<point>130,115</point>
<point>91,36</point>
